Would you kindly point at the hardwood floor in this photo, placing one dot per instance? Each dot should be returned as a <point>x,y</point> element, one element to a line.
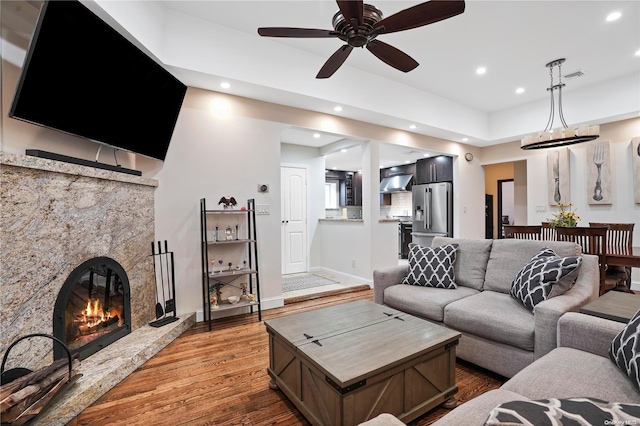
<point>220,378</point>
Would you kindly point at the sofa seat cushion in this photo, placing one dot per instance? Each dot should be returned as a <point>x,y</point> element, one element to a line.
<point>572,373</point>
<point>494,316</point>
<point>476,411</point>
<point>425,302</point>
<point>509,255</point>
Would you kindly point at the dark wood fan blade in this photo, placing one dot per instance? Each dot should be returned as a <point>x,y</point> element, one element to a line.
<point>352,10</point>
<point>334,62</point>
<point>419,15</point>
<point>392,56</point>
<point>295,32</point>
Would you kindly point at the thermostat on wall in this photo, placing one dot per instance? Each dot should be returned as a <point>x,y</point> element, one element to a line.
<point>263,187</point>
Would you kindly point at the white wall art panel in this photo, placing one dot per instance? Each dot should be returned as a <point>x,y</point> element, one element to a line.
<point>558,181</point>
<point>598,171</point>
<point>635,154</point>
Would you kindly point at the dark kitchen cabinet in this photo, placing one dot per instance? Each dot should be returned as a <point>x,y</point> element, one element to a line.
<point>434,169</point>
<point>357,188</point>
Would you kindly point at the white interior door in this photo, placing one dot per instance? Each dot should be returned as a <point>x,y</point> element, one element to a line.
<point>294,219</point>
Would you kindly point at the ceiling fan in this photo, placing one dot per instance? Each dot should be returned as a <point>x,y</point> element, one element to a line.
<point>358,24</point>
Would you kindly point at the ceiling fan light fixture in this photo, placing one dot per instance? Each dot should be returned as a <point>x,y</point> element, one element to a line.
<point>561,136</point>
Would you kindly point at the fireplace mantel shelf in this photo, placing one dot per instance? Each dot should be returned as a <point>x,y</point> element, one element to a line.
<point>30,162</point>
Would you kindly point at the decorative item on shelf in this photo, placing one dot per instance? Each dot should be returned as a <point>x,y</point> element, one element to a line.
<point>217,233</point>
<point>229,234</point>
<point>236,231</point>
<point>244,295</point>
<point>233,299</point>
<point>565,217</point>
<point>253,296</point>
<point>220,262</point>
<point>550,137</point>
<point>228,202</point>
<point>213,300</point>
<point>230,265</point>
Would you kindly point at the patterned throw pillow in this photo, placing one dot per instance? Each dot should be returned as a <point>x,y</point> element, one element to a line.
<point>573,411</point>
<point>535,280</point>
<point>431,266</point>
<point>625,350</point>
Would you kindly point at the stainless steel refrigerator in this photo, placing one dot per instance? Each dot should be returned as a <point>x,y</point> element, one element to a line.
<point>432,212</point>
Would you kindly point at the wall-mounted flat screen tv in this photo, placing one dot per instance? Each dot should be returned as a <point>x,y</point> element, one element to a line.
<point>82,77</point>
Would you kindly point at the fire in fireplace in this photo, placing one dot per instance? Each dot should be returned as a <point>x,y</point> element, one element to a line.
<point>93,308</point>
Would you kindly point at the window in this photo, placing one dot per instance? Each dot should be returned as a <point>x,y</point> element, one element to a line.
<point>331,195</point>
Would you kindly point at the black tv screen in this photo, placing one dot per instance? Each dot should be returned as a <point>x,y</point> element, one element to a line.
<point>82,77</point>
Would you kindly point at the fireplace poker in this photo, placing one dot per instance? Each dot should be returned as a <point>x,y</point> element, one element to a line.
<point>169,304</point>
<point>159,311</point>
<point>161,276</point>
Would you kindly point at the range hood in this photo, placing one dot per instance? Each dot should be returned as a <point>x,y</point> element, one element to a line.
<point>398,183</point>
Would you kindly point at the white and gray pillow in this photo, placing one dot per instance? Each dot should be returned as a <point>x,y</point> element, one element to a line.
<point>574,411</point>
<point>625,350</point>
<point>534,282</point>
<point>431,266</point>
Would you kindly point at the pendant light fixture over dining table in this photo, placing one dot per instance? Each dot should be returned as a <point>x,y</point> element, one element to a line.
<point>562,136</point>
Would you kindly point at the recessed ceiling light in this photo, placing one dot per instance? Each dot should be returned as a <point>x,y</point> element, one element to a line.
<point>338,109</point>
<point>481,70</point>
<point>425,155</point>
<point>638,52</point>
<point>334,168</point>
<point>407,161</point>
<point>613,16</point>
<point>343,150</point>
<point>225,85</point>
<point>520,90</point>
<point>413,126</point>
<point>316,135</point>
<point>465,139</point>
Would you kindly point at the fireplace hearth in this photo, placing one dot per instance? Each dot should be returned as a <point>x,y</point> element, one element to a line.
<point>93,308</point>
<point>55,217</point>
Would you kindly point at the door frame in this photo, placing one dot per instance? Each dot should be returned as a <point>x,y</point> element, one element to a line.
<point>499,215</point>
<point>307,169</point>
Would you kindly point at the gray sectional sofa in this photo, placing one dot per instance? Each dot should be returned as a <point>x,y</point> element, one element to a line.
<point>498,332</point>
<point>578,368</point>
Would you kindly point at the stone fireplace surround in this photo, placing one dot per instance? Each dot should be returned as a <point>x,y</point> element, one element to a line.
<point>53,217</point>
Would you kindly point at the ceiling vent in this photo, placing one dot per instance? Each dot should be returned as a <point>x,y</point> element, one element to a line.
<point>574,74</point>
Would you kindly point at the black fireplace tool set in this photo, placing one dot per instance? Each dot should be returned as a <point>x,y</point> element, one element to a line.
<point>167,304</point>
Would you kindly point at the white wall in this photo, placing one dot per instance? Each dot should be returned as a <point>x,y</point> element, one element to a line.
<point>213,155</point>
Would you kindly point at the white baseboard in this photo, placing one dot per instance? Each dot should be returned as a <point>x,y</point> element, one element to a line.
<point>270,303</point>
<point>342,275</point>
<point>635,286</point>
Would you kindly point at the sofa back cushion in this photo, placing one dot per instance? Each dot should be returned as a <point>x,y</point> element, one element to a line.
<point>472,258</point>
<point>508,256</point>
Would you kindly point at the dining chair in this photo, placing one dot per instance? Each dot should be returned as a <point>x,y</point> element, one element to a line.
<point>548,232</point>
<point>522,232</point>
<point>592,240</point>
<point>619,240</point>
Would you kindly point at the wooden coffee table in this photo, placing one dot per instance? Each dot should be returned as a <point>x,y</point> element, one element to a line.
<point>348,363</point>
<point>613,305</point>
